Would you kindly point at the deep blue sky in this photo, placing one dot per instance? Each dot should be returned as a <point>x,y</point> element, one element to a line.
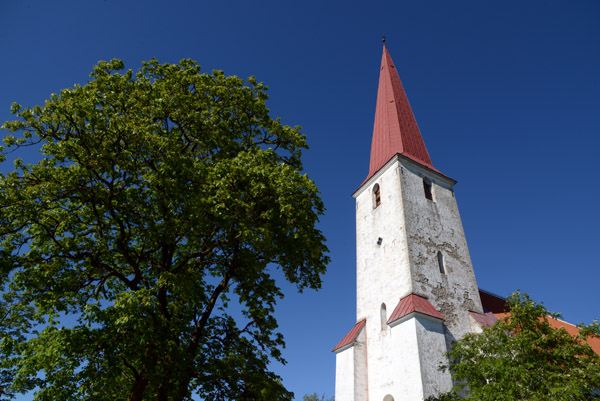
<point>506,95</point>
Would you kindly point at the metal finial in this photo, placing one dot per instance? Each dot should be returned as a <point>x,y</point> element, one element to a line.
<point>383,38</point>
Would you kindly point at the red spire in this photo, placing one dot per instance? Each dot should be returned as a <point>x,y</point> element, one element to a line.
<point>395,129</point>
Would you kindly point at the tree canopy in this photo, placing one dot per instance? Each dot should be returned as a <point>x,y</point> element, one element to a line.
<point>522,357</point>
<point>160,198</point>
<point>316,397</point>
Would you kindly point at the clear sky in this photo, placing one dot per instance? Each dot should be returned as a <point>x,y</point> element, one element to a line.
<point>506,94</point>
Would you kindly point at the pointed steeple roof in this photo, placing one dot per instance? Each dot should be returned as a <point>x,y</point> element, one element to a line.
<point>395,129</point>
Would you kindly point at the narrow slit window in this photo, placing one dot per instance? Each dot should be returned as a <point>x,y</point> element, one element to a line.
<point>427,188</point>
<point>383,313</point>
<point>376,196</point>
<point>440,259</point>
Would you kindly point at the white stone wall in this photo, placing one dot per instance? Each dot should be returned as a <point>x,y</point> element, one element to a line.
<point>361,374</point>
<point>344,375</point>
<point>351,371</point>
<point>382,270</point>
<point>402,366</point>
<point>403,360</point>
<point>383,277</point>
<point>432,346</point>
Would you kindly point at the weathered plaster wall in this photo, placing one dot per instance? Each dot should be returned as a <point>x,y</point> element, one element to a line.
<point>432,226</point>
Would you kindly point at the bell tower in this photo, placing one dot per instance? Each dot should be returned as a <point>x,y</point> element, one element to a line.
<point>415,281</point>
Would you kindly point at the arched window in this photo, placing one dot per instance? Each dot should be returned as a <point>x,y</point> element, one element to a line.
<point>376,196</point>
<point>440,259</point>
<point>427,188</point>
<point>388,398</point>
<point>383,313</point>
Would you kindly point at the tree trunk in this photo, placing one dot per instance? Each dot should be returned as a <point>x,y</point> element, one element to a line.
<point>139,387</point>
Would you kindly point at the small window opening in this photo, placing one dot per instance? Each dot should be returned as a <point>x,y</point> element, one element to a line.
<point>427,188</point>
<point>440,259</point>
<point>383,313</point>
<point>388,398</point>
<point>376,196</point>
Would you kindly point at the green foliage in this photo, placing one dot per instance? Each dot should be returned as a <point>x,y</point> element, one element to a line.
<point>522,357</point>
<point>160,196</point>
<point>315,397</point>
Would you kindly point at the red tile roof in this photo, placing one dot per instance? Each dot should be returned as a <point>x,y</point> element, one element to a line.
<point>414,303</point>
<point>593,341</point>
<point>484,319</point>
<point>500,308</point>
<point>351,336</point>
<point>395,129</point>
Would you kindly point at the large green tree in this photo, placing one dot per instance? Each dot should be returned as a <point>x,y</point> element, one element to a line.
<point>523,357</point>
<point>162,199</point>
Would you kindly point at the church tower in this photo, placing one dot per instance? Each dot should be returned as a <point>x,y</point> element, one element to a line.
<point>416,289</point>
